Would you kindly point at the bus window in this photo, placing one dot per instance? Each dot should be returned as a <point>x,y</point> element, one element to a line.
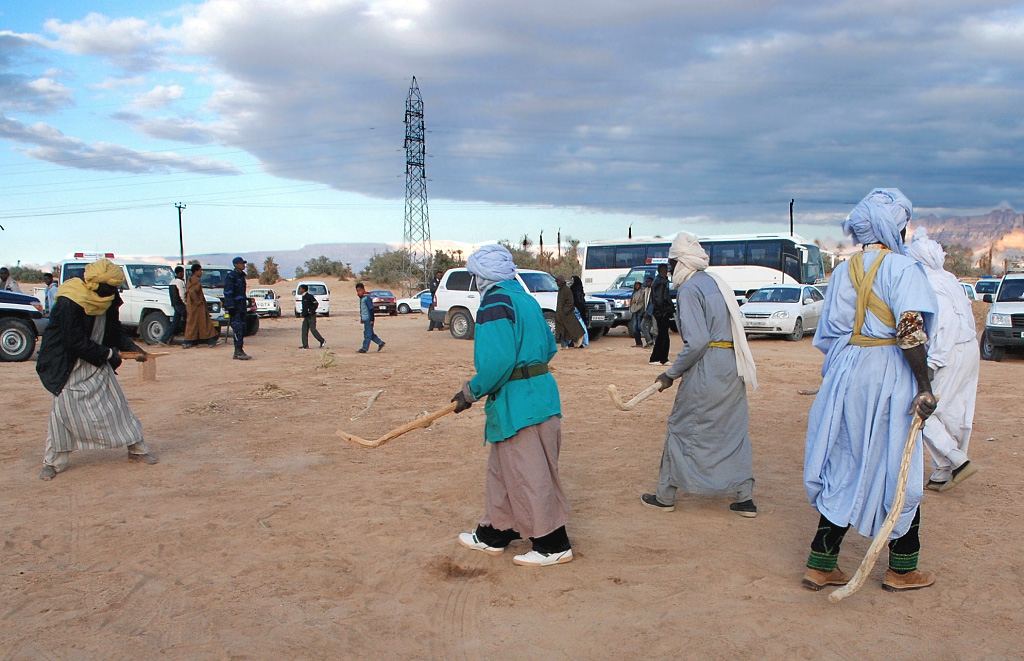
<point>656,252</point>
<point>793,268</point>
<point>629,256</point>
<point>601,257</point>
<point>728,254</point>
<point>764,253</point>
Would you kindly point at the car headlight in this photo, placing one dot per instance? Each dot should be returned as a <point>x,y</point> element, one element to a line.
<point>997,319</point>
<point>781,314</point>
<point>621,303</point>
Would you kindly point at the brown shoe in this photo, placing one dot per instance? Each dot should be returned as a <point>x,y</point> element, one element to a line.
<point>815,579</point>
<point>914,580</point>
<point>143,458</point>
<point>960,474</point>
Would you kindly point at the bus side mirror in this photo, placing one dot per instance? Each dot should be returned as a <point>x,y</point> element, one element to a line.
<point>987,298</point>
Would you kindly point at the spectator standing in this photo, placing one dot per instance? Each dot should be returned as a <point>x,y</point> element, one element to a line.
<point>198,325</point>
<point>661,300</point>
<point>176,289</point>
<point>568,328</point>
<point>637,308</point>
<point>7,283</point>
<point>50,297</point>
<point>238,305</point>
<point>309,307</point>
<point>366,316</point>
<point>579,301</point>
<point>434,284</point>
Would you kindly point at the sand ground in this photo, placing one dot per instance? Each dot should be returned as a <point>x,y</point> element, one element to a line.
<point>260,534</point>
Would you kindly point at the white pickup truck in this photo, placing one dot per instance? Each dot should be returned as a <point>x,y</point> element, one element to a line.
<point>457,301</point>
<point>147,303</point>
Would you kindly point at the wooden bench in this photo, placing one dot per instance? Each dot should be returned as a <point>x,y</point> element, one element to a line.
<point>147,368</point>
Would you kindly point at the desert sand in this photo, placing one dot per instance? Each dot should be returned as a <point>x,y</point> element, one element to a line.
<point>261,534</point>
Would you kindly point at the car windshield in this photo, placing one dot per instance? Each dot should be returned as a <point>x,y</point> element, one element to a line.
<point>986,286</point>
<point>317,290</point>
<point>636,275</point>
<point>1012,290</point>
<point>213,278</point>
<point>539,282</point>
<point>149,275</point>
<point>775,295</point>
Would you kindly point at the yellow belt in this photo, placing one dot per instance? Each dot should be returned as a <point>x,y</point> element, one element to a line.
<point>868,300</point>
<point>721,345</point>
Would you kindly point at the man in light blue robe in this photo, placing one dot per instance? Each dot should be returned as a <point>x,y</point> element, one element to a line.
<point>875,376</point>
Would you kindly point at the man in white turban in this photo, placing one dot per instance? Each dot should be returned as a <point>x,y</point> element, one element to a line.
<point>511,350</point>
<point>953,359</point>
<point>878,314</point>
<point>707,447</point>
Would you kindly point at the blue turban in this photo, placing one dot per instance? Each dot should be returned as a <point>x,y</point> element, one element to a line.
<point>491,264</point>
<point>879,218</point>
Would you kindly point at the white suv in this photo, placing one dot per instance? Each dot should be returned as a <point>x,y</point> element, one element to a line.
<point>458,300</point>
<point>1004,326</point>
<point>147,303</point>
<point>320,292</point>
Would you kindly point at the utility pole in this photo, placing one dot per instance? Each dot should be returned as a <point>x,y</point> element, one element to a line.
<point>791,201</point>
<point>416,239</point>
<point>181,240</point>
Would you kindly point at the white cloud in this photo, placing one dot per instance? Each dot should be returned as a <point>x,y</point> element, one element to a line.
<point>111,84</point>
<point>158,97</point>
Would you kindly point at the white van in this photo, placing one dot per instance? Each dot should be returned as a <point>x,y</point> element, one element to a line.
<point>318,288</point>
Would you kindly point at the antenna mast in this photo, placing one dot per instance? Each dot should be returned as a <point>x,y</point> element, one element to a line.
<point>418,252</point>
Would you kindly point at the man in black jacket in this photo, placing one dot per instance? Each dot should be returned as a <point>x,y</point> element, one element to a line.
<point>664,308</point>
<point>78,357</point>
<point>434,284</point>
<point>237,305</point>
<point>309,307</point>
<point>177,292</point>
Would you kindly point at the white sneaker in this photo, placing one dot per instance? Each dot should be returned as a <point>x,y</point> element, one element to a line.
<point>469,540</point>
<point>537,559</point>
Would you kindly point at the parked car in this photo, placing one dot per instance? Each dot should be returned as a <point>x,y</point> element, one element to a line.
<point>21,323</point>
<point>383,301</point>
<point>969,290</point>
<point>147,303</point>
<point>413,303</point>
<point>318,288</point>
<point>1004,325</point>
<point>987,285</point>
<point>268,302</point>
<point>789,310</point>
<point>619,297</point>
<point>458,301</point>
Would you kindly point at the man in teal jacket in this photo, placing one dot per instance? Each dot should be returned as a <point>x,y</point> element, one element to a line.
<point>524,497</point>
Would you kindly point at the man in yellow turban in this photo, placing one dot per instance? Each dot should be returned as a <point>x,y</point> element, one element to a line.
<point>78,357</point>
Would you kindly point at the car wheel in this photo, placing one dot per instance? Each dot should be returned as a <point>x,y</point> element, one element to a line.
<point>153,327</point>
<point>297,315</point>
<point>798,331</point>
<point>550,318</point>
<point>990,351</point>
<point>404,309</point>
<point>252,325</point>
<point>17,341</point>
<point>461,325</point>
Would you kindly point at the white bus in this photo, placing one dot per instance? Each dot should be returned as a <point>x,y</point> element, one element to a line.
<point>746,261</point>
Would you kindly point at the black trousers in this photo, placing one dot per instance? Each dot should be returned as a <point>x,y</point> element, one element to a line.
<point>309,324</point>
<point>555,541</point>
<point>661,343</point>
<point>903,551</point>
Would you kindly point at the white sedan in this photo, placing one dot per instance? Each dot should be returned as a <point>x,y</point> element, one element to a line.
<point>411,304</point>
<point>788,310</point>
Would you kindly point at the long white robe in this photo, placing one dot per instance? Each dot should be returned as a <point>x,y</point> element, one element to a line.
<point>859,421</point>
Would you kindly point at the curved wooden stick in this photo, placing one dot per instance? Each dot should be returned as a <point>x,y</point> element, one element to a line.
<point>395,433</point>
<point>613,392</point>
<point>373,398</point>
<point>882,536</point>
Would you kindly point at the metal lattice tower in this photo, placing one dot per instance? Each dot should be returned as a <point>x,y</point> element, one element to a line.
<point>417,220</point>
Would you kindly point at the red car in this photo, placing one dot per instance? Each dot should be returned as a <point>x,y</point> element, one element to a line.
<point>383,301</point>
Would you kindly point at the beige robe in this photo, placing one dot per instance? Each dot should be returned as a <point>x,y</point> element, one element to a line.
<point>198,325</point>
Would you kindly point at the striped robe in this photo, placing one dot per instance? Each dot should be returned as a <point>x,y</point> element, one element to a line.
<point>91,412</point>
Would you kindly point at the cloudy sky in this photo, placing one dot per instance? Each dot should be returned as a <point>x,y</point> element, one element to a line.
<point>280,123</point>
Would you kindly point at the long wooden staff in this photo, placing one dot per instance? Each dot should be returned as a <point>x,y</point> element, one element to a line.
<point>890,520</point>
<point>613,392</point>
<point>395,433</point>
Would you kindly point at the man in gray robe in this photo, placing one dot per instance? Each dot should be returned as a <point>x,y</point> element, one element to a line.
<point>707,447</point>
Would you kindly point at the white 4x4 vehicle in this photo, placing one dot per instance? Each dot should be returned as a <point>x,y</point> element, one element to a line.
<point>147,303</point>
<point>458,300</point>
<point>1004,326</point>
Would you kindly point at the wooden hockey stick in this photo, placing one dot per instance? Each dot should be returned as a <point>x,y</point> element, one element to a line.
<point>631,404</point>
<point>395,433</point>
<point>373,398</point>
<point>882,536</point>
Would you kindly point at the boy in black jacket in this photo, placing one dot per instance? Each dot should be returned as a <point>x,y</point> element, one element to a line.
<point>309,306</point>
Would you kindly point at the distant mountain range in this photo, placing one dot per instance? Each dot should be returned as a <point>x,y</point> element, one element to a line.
<point>1001,228</point>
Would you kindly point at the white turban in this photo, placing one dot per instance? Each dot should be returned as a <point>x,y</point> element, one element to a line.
<point>691,258</point>
<point>879,218</point>
<point>491,264</point>
<point>926,251</point>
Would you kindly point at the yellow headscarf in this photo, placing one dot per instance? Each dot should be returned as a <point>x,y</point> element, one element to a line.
<point>83,292</point>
